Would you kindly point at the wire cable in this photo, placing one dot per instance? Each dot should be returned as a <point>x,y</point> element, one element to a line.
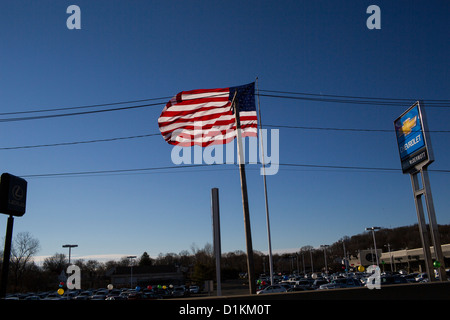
<point>80,142</point>
<point>136,170</point>
<point>439,103</point>
<point>81,107</point>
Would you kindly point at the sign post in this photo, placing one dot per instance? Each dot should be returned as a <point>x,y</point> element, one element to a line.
<point>13,195</point>
<point>416,154</point>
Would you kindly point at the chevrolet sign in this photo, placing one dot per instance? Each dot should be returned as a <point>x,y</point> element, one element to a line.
<point>412,139</point>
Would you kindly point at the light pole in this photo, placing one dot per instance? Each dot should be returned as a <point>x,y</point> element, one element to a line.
<point>131,267</point>
<point>390,256</point>
<point>374,242</point>
<point>325,246</point>
<point>345,257</point>
<point>70,246</point>
<point>303,262</point>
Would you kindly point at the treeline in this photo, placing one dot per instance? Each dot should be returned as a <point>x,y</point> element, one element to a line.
<point>198,264</point>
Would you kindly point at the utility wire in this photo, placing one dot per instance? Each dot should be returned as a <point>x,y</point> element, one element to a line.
<point>157,134</point>
<point>393,101</point>
<point>440,103</point>
<point>81,142</point>
<point>78,113</point>
<point>363,102</point>
<point>137,170</point>
<point>81,107</point>
<point>344,129</point>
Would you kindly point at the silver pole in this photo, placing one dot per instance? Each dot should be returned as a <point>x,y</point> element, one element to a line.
<point>324,246</point>
<point>265,188</point>
<point>131,273</point>
<point>422,225</point>
<point>433,224</point>
<point>345,256</point>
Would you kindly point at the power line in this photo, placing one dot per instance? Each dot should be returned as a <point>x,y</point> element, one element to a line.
<point>81,107</point>
<point>356,99</point>
<point>157,134</point>
<point>363,102</point>
<point>78,113</point>
<point>343,129</point>
<point>84,173</point>
<point>439,103</point>
<point>80,142</point>
<point>176,167</point>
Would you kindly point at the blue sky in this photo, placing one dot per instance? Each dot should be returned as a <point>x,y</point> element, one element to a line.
<point>131,50</point>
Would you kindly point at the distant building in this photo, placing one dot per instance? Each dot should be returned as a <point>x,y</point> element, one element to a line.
<point>410,259</point>
<point>146,275</point>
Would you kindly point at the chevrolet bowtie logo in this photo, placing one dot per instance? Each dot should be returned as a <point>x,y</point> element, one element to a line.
<point>407,125</point>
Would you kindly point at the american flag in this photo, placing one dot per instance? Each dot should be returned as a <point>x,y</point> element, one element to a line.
<point>205,117</point>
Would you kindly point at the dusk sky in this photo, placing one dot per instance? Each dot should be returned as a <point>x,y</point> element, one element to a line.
<point>134,198</point>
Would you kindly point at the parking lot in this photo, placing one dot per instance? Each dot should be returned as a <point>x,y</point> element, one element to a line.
<point>282,284</point>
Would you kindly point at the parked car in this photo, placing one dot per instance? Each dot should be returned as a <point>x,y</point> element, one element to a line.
<point>341,283</point>
<point>386,280</point>
<point>178,292</point>
<point>194,289</point>
<point>318,282</point>
<point>84,295</point>
<point>303,284</point>
<point>422,277</point>
<point>410,277</point>
<point>52,296</point>
<point>272,289</point>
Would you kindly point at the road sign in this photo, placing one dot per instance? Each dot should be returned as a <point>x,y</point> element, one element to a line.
<point>413,140</point>
<point>13,195</point>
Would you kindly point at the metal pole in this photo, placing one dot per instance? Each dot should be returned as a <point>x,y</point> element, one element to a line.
<point>303,262</point>
<point>390,257</point>
<point>324,246</point>
<point>248,234</point>
<point>433,224</point>
<point>374,241</point>
<point>422,226</point>
<point>131,273</point>
<point>265,189</point>
<point>216,235</point>
<point>345,257</point>
<point>70,246</point>
<point>6,256</point>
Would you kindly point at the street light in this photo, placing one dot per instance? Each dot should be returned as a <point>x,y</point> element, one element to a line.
<point>131,276</point>
<point>324,246</point>
<point>390,256</point>
<point>70,246</point>
<point>345,257</point>
<point>374,242</point>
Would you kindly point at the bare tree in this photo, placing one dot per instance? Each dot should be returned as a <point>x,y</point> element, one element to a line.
<point>23,248</point>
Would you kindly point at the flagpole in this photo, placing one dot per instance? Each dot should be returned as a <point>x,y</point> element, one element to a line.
<point>248,234</point>
<point>265,187</point>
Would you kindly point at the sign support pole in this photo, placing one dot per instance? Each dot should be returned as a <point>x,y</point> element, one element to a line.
<point>6,256</point>
<point>433,224</point>
<point>422,225</point>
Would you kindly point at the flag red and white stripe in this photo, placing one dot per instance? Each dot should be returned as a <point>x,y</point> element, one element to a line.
<point>205,117</point>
